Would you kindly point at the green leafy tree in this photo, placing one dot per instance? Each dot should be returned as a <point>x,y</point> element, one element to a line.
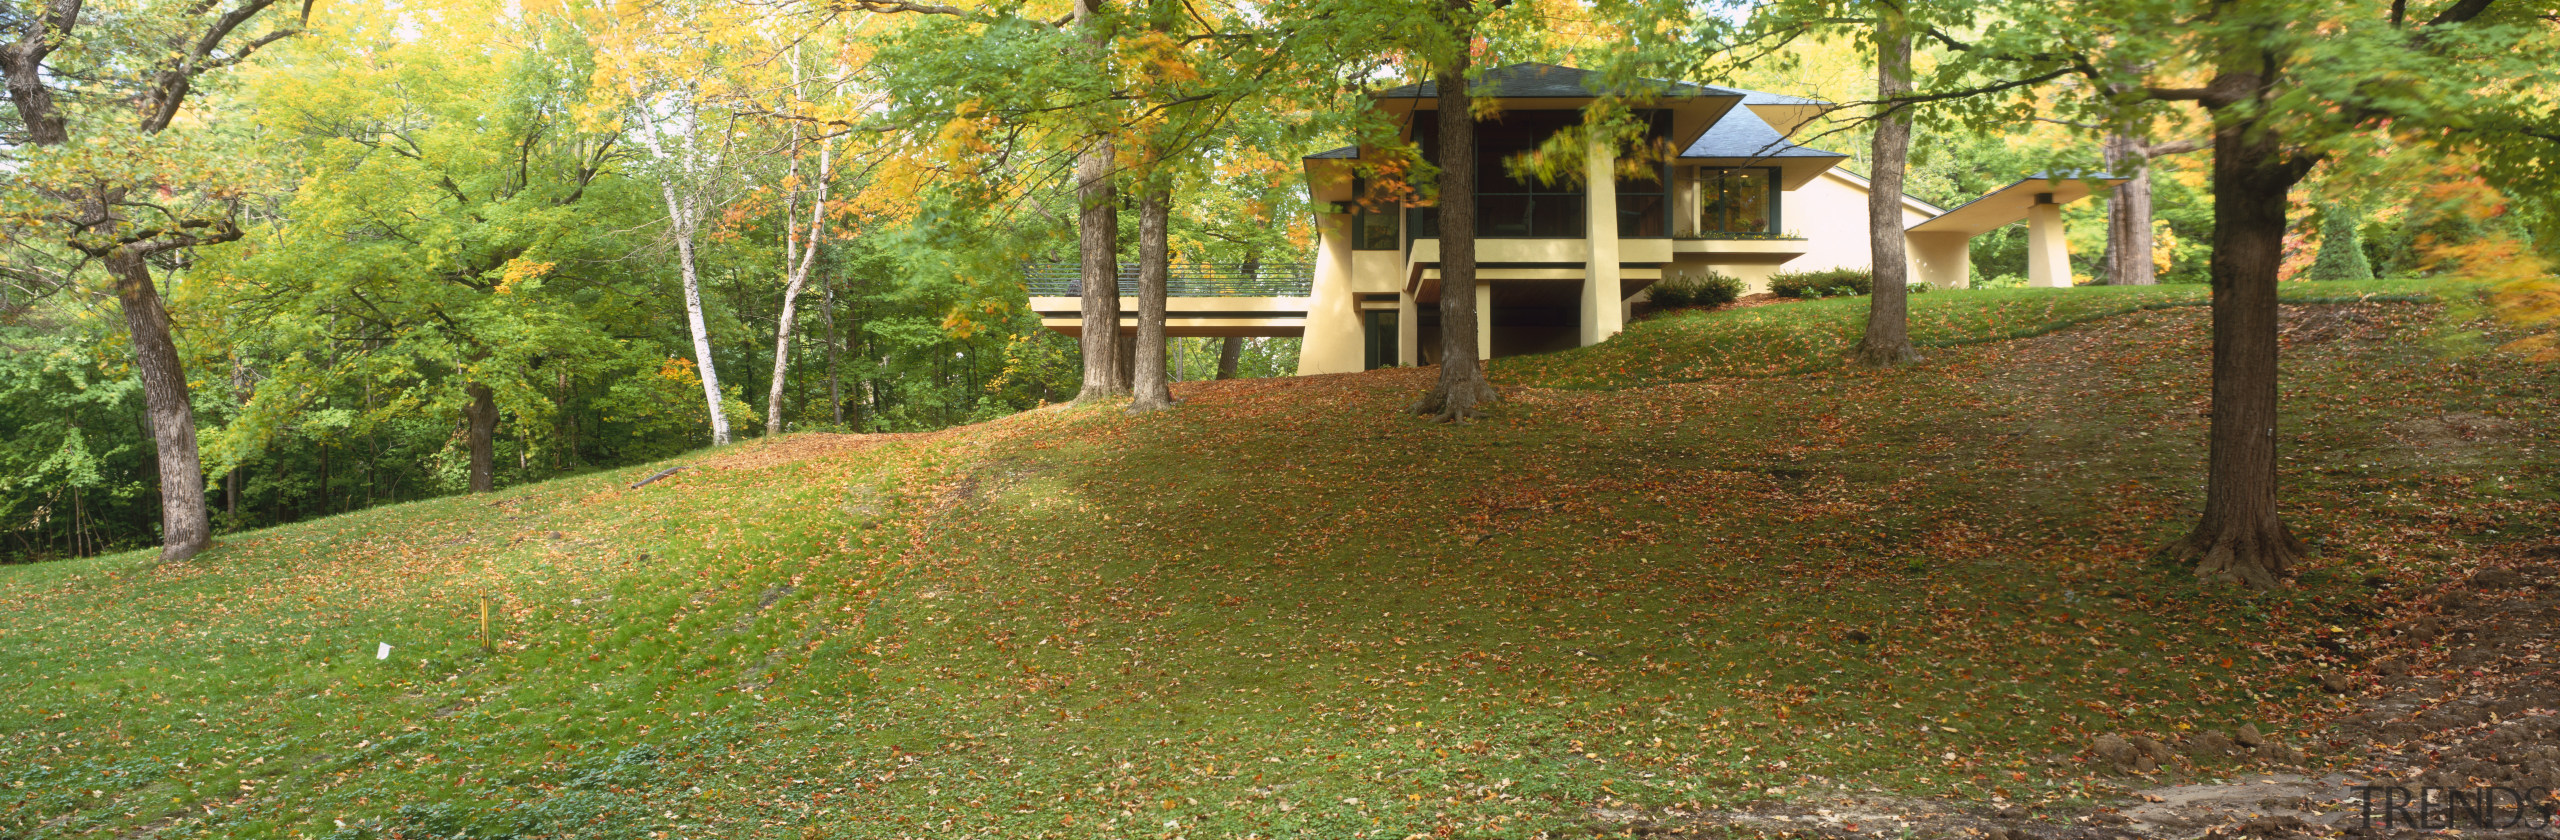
<point>96,169</point>
<point>2341,250</point>
<point>447,190</point>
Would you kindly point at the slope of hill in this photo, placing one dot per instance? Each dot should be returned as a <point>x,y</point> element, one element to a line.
<point>1287,610</point>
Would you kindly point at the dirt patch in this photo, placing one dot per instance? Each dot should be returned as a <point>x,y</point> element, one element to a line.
<point>2317,323</point>
<point>2459,431</point>
<point>2465,697</point>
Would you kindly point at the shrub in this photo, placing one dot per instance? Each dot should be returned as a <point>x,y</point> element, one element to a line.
<point>1672,294</point>
<point>1825,283</point>
<point>1919,286</point>
<point>1696,289</point>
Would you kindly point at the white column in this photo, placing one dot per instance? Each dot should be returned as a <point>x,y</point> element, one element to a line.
<point>1333,335</point>
<point>1484,319</point>
<point>1603,297</point>
<point>1408,333</point>
<point>2048,251</point>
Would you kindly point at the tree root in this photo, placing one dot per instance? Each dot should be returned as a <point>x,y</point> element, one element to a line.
<point>1461,405</point>
<point>1147,405</point>
<point>2252,559</point>
<point>1874,355</point>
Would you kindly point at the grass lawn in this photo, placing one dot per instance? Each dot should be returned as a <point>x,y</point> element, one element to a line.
<point>1287,610</point>
<point>1806,336</point>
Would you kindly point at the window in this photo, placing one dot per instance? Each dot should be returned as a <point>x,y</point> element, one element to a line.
<point>1737,201</point>
<point>1509,206</point>
<point>1372,229</point>
<point>1378,332</point>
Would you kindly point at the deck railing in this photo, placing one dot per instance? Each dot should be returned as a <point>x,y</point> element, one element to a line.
<point>1063,279</point>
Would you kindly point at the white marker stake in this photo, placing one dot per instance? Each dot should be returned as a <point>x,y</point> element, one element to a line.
<point>384,652</point>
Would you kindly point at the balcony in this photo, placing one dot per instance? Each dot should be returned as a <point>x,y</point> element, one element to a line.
<point>1201,299</point>
<point>1213,280</point>
<point>1725,248</point>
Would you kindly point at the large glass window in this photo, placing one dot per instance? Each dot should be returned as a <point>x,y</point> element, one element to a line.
<point>1644,198</point>
<point>1737,201</point>
<point>1507,205</point>
<point>1372,228</point>
<point>1525,207</point>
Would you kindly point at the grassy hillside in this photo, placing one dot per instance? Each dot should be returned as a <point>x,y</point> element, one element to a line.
<point>1806,336</point>
<point>1286,610</point>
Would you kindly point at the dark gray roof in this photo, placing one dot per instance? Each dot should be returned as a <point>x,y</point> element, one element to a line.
<point>1742,134</point>
<point>1344,153</point>
<point>1531,80</point>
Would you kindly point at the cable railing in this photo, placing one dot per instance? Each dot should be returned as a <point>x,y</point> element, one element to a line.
<point>1064,279</point>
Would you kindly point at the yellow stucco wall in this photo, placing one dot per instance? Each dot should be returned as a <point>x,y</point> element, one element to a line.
<point>1332,342</point>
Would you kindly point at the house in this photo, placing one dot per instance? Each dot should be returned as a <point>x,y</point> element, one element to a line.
<point>1737,198</point>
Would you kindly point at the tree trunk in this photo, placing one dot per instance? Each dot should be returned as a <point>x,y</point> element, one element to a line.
<point>1097,250</point>
<point>1888,339</point>
<point>481,415</point>
<point>1155,211</point>
<point>835,381</point>
<point>681,216</point>
<point>2240,538</point>
<point>184,528</point>
<point>1098,237</point>
<point>2129,238</point>
<point>1461,390</point>
<point>1230,351</point>
<point>799,264</point>
<point>1126,358</point>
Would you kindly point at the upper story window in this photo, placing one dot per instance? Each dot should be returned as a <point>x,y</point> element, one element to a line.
<point>1509,206</point>
<point>1372,229</point>
<point>1737,200</point>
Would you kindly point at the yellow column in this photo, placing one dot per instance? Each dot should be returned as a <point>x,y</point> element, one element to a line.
<point>1333,333</point>
<point>1408,333</point>
<point>1943,260</point>
<point>1603,301</point>
<point>1484,319</point>
<point>2048,252</point>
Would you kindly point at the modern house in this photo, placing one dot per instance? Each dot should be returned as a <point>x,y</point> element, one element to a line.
<point>1737,198</point>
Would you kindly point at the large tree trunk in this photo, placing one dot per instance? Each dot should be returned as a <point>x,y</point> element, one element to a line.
<point>2129,238</point>
<point>1461,390</point>
<point>1230,350</point>
<point>2240,537</point>
<point>184,528</point>
<point>1098,238</point>
<point>1888,339</point>
<point>481,421</point>
<point>1155,256</point>
<point>1097,251</point>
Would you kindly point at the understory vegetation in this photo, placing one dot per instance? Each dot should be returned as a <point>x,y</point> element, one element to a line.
<point>1660,576</point>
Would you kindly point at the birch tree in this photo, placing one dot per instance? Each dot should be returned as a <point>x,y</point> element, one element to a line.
<point>800,244</point>
<point>684,163</point>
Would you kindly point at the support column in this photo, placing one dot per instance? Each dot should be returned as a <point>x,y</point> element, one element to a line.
<point>1603,298</point>
<point>1408,333</point>
<point>1333,334</point>
<point>1943,260</point>
<point>2048,252</point>
<point>1484,319</point>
